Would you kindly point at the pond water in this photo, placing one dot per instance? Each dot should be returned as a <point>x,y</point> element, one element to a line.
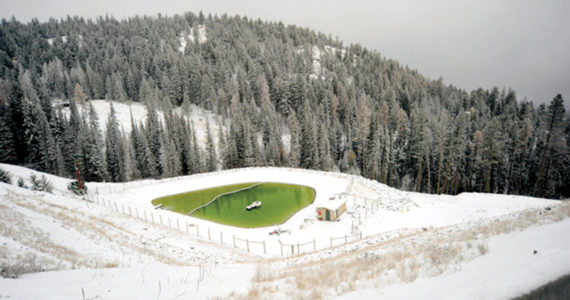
<point>279,202</point>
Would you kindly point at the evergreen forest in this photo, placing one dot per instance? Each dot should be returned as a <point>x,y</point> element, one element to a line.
<point>287,96</point>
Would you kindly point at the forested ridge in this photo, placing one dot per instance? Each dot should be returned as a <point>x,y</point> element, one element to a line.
<point>288,96</point>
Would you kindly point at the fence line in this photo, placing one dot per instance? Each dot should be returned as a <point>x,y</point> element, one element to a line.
<point>184,226</point>
<point>346,238</point>
<point>248,241</point>
<point>298,245</point>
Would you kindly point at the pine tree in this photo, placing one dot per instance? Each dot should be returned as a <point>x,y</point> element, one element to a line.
<point>92,145</point>
<point>196,154</point>
<point>212,158</point>
<point>153,134</point>
<point>418,145</point>
<point>114,149</point>
<point>7,141</point>
<point>309,144</point>
<point>494,145</point>
<point>294,142</point>
<point>555,147</point>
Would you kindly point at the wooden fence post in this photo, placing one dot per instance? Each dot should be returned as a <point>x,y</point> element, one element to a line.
<point>209,237</point>
<point>152,217</point>
<point>264,251</point>
<point>177,225</point>
<point>137,211</point>
<point>331,241</point>
<point>197,231</point>
<point>314,245</point>
<point>298,249</point>
<point>247,243</point>
<point>187,225</point>
<point>281,247</point>
<point>234,237</point>
<point>221,237</point>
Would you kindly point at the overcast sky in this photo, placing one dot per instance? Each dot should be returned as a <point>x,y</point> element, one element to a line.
<point>521,44</point>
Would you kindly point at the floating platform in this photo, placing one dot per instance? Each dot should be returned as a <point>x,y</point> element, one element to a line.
<point>255,204</point>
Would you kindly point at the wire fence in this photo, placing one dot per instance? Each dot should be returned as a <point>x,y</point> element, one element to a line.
<point>270,247</point>
<point>347,238</point>
<point>300,247</point>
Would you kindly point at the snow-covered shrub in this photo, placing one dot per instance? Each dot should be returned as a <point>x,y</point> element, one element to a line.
<point>42,184</point>
<point>483,249</point>
<point>5,176</point>
<point>21,183</point>
<point>15,269</point>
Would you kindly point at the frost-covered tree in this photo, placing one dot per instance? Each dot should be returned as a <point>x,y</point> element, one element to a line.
<point>116,168</point>
<point>555,152</point>
<point>212,157</point>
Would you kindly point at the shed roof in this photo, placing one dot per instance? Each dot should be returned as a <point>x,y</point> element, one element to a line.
<point>332,204</point>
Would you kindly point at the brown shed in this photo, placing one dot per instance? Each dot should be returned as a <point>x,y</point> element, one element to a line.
<point>331,210</point>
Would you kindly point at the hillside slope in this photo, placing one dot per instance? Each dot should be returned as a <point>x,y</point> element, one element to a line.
<point>413,245</point>
<point>341,108</point>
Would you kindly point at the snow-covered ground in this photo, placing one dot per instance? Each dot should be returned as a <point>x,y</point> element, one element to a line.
<point>198,116</point>
<point>200,31</point>
<point>117,246</point>
<point>510,269</point>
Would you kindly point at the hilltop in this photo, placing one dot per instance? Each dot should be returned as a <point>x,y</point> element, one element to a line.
<point>284,95</point>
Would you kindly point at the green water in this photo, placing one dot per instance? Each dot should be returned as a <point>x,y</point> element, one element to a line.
<point>185,202</point>
<point>279,202</point>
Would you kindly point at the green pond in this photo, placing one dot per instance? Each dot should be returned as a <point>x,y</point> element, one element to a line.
<point>279,202</point>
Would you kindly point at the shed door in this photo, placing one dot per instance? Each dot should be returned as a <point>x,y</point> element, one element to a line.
<point>328,215</point>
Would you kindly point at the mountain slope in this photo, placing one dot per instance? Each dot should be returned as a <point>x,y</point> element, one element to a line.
<point>341,107</point>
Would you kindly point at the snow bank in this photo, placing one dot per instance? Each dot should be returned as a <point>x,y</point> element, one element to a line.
<point>510,269</point>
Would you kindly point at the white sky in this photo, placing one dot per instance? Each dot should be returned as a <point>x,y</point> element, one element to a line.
<point>522,44</point>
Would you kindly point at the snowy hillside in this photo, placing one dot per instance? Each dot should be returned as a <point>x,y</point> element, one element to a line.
<point>114,245</point>
<point>198,116</point>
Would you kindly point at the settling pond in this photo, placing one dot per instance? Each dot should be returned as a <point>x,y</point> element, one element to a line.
<point>227,203</point>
